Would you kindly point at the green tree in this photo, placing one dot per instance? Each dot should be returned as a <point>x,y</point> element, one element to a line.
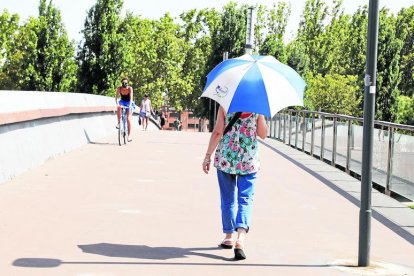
<point>230,34</point>
<point>332,93</point>
<point>197,28</point>
<point>311,29</point>
<point>9,25</point>
<point>100,54</point>
<point>354,46</point>
<point>41,57</point>
<point>168,71</point>
<point>277,21</point>
<point>405,113</point>
<point>55,67</point>
<point>260,27</point>
<point>405,32</point>
<point>332,45</point>
<point>388,74</point>
<point>297,57</point>
<point>20,65</point>
<point>140,53</point>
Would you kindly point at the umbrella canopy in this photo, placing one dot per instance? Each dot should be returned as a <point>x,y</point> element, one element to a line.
<point>253,83</point>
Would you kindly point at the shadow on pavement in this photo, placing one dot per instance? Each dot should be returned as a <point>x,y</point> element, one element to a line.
<point>376,215</point>
<point>149,253</point>
<point>50,263</point>
<point>146,252</point>
<point>97,143</point>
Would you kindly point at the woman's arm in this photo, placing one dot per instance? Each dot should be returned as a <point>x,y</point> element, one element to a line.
<point>214,138</point>
<point>132,96</point>
<point>261,127</point>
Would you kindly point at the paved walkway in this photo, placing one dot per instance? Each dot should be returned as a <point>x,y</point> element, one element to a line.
<point>148,209</point>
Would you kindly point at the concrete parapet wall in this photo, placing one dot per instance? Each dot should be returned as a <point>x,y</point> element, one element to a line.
<point>36,126</point>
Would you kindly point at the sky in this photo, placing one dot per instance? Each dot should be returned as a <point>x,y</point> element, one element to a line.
<point>74,11</point>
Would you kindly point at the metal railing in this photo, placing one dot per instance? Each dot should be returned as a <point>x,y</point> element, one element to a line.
<point>337,139</point>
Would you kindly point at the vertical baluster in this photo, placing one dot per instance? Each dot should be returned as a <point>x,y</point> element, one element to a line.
<point>296,129</point>
<point>303,129</point>
<point>290,127</point>
<point>335,133</point>
<point>312,134</point>
<point>348,148</point>
<point>388,183</point>
<point>323,137</point>
<point>284,128</point>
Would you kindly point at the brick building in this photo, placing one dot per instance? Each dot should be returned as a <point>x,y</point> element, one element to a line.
<point>189,121</point>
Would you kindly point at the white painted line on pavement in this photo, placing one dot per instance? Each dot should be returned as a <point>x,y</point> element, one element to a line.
<point>130,211</point>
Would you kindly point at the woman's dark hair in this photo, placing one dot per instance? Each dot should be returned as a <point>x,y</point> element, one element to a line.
<point>125,79</point>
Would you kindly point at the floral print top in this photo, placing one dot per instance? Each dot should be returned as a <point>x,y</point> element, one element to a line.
<point>237,151</point>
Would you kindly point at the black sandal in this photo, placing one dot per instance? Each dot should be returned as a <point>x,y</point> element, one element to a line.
<point>226,245</point>
<point>239,252</point>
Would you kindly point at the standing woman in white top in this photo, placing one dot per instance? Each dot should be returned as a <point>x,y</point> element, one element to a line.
<point>146,110</point>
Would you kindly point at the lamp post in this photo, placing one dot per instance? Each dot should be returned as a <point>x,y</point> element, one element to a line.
<point>249,31</point>
<point>367,142</point>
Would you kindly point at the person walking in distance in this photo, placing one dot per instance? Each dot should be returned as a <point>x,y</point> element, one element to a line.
<point>162,119</point>
<point>146,110</point>
<point>237,162</point>
<point>126,93</point>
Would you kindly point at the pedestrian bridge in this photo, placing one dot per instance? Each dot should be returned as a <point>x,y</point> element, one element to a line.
<point>73,202</point>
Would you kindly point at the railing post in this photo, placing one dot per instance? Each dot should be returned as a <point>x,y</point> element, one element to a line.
<point>303,129</point>
<point>290,127</point>
<point>348,148</point>
<point>271,127</point>
<point>296,130</point>
<point>280,127</point>
<point>335,133</point>
<point>284,128</point>
<point>312,134</point>
<point>323,137</point>
<point>389,161</point>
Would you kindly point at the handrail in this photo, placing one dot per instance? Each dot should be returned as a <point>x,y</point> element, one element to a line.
<point>337,139</point>
<point>347,117</point>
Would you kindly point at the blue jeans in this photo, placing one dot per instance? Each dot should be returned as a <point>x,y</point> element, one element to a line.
<point>236,192</point>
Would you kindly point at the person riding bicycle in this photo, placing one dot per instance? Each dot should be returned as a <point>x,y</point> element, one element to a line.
<point>126,93</point>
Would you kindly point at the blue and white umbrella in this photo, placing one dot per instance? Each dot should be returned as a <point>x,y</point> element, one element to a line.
<point>252,83</point>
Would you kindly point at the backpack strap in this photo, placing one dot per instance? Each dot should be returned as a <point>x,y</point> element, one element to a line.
<point>235,117</point>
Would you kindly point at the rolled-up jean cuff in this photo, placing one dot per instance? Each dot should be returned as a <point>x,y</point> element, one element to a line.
<point>245,227</point>
<point>231,231</point>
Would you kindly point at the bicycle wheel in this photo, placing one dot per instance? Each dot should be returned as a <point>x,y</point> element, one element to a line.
<point>124,129</point>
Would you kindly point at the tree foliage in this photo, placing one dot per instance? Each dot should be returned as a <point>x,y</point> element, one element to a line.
<point>332,93</point>
<point>39,55</point>
<point>8,30</point>
<point>100,54</point>
<point>55,67</point>
<point>388,71</point>
<point>276,21</point>
<point>405,32</point>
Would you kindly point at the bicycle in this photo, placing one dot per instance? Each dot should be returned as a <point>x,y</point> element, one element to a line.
<point>123,127</point>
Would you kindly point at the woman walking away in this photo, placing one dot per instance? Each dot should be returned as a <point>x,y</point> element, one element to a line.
<point>237,162</point>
